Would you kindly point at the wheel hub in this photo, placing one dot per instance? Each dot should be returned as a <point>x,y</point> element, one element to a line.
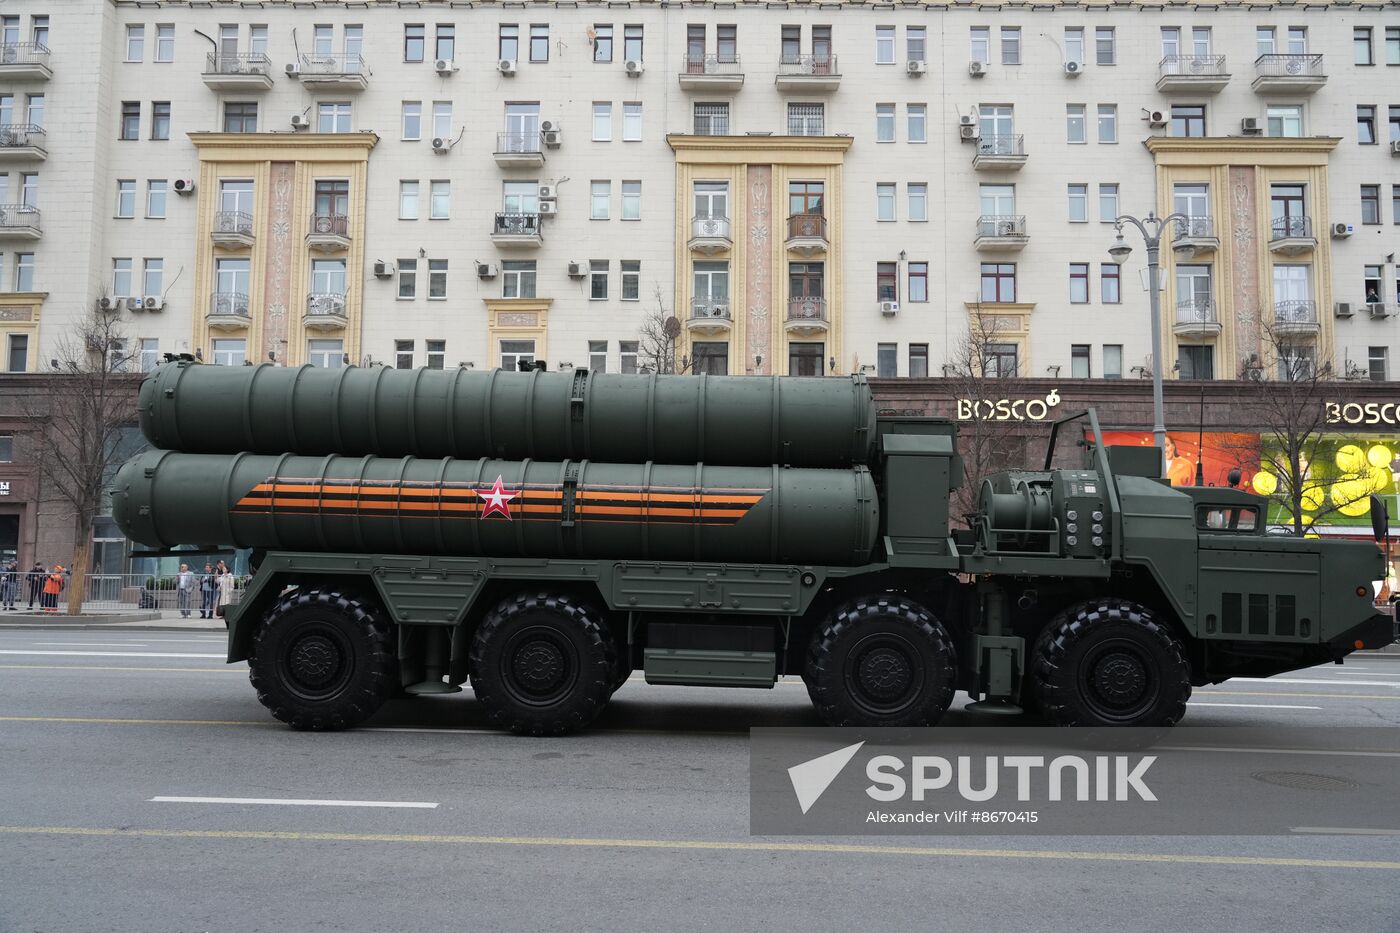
<point>539,667</point>
<point>884,674</point>
<point>1120,679</point>
<point>314,661</point>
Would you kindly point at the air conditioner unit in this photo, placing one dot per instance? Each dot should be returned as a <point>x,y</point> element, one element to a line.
<point>440,145</point>
<point>1378,311</point>
<point>1344,309</point>
<point>547,193</point>
<point>184,186</point>
<point>445,66</point>
<point>1395,147</point>
<point>966,132</point>
<point>486,270</point>
<point>293,69</point>
<point>967,119</point>
<point>977,69</point>
<point>153,303</point>
<point>1249,126</point>
<point>889,308</point>
<point>577,269</point>
<point>1074,69</point>
<point>382,269</point>
<point>551,138</point>
<point>108,304</point>
<point>505,66</point>
<point>633,67</point>
<point>133,304</point>
<point>915,68</point>
<point>1342,231</point>
<point>548,208</point>
<point>300,121</point>
<point>1156,119</point>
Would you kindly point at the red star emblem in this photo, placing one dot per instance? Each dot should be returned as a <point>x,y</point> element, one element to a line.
<point>496,498</point>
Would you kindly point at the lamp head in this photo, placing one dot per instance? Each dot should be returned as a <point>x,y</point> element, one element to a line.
<point>1119,250</point>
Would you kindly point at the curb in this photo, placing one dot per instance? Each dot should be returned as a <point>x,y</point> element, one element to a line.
<point>133,627</point>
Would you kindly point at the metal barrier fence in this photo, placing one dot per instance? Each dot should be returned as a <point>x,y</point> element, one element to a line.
<point>130,592</point>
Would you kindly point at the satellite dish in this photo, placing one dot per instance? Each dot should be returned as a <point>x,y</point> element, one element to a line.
<point>672,327</point>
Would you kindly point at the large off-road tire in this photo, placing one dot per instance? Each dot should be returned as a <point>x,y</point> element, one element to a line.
<point>542,664</point>
<point>323,659</point>
<point>1110,662</point>
<point>880,661</point>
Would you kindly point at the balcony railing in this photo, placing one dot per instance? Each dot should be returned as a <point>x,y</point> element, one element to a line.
<point>710,309</point>
<point>24,53</point>
<point>1008,145</point>
<point>228,305</point>
<point>1001,225</point>
<point>326,305</point>
<point>333,63</point>
<point>716,227</point>
<point>1289,66</point>
<point>1196,311</point>
<point>20,219</point>
<point>711,64</point>
<point>806,226</point>
<point>330,225</point>
<point>237,223</point>
<point>1297,227</point>
<point>1195,228</point>
<point>518,142</point>
<point>239,63</point>
<point>1298,312</point>
<point>800,65</point>
<point>1192,66</point>
<point>22,135</point>
<point>508,224</point>
<point>806,310</point>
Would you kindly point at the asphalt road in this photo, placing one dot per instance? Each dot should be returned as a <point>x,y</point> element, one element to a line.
<point>639,824</point>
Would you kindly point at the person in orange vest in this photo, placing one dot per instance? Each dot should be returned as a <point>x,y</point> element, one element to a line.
<point>53,585</point>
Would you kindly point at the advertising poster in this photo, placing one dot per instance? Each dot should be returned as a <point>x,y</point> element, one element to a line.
<point>1220,451</point>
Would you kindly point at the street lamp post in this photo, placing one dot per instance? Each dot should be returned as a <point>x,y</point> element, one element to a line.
<point>1119,251</point>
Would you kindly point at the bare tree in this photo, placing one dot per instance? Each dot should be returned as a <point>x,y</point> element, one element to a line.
<point>86,416</point>
<point>987,440</point>
<point>657,351</point>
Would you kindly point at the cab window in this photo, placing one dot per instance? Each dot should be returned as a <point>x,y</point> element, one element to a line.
<point>1238,519</point>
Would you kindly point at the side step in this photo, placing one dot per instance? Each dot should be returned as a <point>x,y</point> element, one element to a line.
<point>709,655</point>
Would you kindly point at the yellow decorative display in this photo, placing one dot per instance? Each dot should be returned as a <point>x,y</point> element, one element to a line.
<point>1266,484</point>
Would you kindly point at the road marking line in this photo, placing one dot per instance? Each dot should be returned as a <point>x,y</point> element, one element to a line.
<point>111,654</point>
<point>1345,830</point>
<point>1322,752</point>
<point>1253,705</point>
<point>1338,683</point>
<point>288,802</point>
<point>716,845</point>
<point>88,644</point>
<point>231,669</point>
<point>141,722</point>
<point>1315,696</point>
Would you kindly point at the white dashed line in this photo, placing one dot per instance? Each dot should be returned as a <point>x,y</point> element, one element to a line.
<point>284,802</point>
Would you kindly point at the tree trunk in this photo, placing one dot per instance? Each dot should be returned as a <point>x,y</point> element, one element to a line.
<point>77,583</point>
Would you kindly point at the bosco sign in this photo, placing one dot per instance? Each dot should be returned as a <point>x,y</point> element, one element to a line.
<point>1007,409</point>
<point>1362,413</point>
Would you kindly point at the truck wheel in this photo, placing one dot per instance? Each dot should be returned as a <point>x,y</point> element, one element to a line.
<point>323,659</point>
<point>542,664</point>
<point>880,662</point>
<point>1109,662</point>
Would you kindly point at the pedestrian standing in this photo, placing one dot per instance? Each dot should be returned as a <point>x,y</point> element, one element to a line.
<point>225,587</point>
<point>36,585</point>
<point>184,590</point>
<point>11,583</point>
<point>53,585</point>
<point>208,592</point>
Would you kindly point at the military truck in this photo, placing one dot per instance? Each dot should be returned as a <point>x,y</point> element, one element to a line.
<point>544,534</point>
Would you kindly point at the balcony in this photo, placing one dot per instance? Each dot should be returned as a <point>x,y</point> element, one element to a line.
<point>711,73</point>
<point>1194,236</point>
<point>806,73</point>
<point>519,150</point>
<point>710,235</point>
<point>1288,74</point>
<point>228,311</point>
<point>1296,318</point>
<point>710,316</point>
<point>233,229</point>
<point>1194,74</point>
<point>517,231</point>
<point>1196,317</point>
<point>24,61</point>
<point>806,234</point>
<point>328,233</point>
<point>1001,233</point>
<point>806,316</point>
<point>23,142</point>
<point>20,222</point>
<point>246,71</point>
<point>1289,236</point>
<point>325,311</point>
<point>1000,153</point>
<point>334,72</point>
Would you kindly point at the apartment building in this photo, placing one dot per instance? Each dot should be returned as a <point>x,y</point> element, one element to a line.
<point>806,188</point>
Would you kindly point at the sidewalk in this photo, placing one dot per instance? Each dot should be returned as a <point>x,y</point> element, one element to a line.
<point>148,619</point>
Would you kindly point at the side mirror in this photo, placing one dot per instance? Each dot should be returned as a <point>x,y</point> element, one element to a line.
<point>1380,520</point>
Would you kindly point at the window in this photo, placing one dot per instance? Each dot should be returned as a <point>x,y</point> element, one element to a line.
<point>709,358</point>
<point>1105,52</point>
<point>884,123</point>
<point>1377,356</point>
<point>413,42</point>
<point>1287,207</point>
<point>601,199</point>
<point>627,356</point>
<point>1265,42</point>
<point>632,43</point>
<point>408,200</point>
<point>1285,121</point>
<point>918,361</point>
<point>602,42</point>
<point>806,119</point>
<point>1108,123</point>
<point>230,351</point>
<point>998,203</point>
<point>981,39</point>
<point>1078,204</point>
<point>436,353</point>
<point>602,122</point>
<point>1171,41</point>
<point>1293,295</point>
<point>446,44</point>
<point>440,199</point>
<point>1366,124</point>
<point>886,360</point>
<point>1111,283</point>
<point>16,361</point>
<point>326,354</point>
<point>999,361</point>
<point>597,280</point>
<point>231,279</point>
<point>152,276</point>
<point>1392,45</point>
<point>121,278</point>
<point>135,42</point>
<point>165,42</point>
<point>1188,120</point>
<point>1113,361</point>
<point>1297,40</point>
<point>887,281</point>
<point>1394,124</point>
<point>24,272</point>
<point>518,278</point>
<point>884,45</point>
<point>150,349</point>
<point>1395,204</point>
<point>403,354</point>
<point>1079,283</point>
<point>631,200</point>
<point>726,47</point>
<point>1108,203</point>
<point>412,121</point>
<point>29,189</point>
<point>915,43</point>
<point>520,197</point>
<point>160,119</point>
<point>508,43</point>
<point>918,202</point>
<point>631,280</point>
<point>35,109</point>
<point>1011,45</point>
<point>131,120</point>
<point>240,117</point>
<point>709,286</point>
<point>155,197</point>
<point>437,279</point>
<point>408,279</point>
<point>999,281</point>
<point>598,356</point>
<point>711,119</point>
<point>1194,296</point>
<point>333,117</point>
<point>1295,363</point>
<point>790,44</point>
<point>1074,124</point>
<point>328,278</point>
<point>997,128</point>
<point>884,201</point>
<point>1361,46</point>
<point>1370,204</point>
<point>442,119</point>
<point>257,39</point>
<point>632,122</point>
<point>918,281</point>
<point>1197,362</point>
<point>126,197</point>
<point>516,352</point>
<point>918,123</point>
<point>539,42</point>
<point>40,30</point>
<point>1371,284</point>
<point>806,359</point>
<point>1079,361</point>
